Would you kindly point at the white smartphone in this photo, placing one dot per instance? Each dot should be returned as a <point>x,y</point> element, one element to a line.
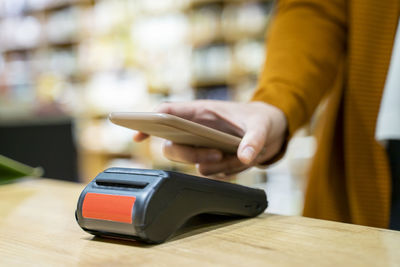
<point>176,129</point>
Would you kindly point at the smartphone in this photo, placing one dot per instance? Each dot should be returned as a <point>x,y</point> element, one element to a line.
<point>177,130</point>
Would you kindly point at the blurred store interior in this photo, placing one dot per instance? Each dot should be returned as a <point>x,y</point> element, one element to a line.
<point>66,64</point>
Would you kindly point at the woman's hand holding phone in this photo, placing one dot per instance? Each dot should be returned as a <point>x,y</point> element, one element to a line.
<point>262,126</point>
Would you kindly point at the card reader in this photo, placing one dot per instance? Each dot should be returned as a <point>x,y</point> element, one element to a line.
<point>150,205</point>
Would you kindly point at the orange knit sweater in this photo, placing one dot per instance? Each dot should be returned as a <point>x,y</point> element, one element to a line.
<point>339,50</point>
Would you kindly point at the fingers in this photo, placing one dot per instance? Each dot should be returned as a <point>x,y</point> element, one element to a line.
<point>229,165</point>
<point>139,136</point>
<point>185,110</point>
<point>269,151</point>
<point>208,161</point>
<point>252,142</point>
<point>210,113</point>
<point>188,154</point>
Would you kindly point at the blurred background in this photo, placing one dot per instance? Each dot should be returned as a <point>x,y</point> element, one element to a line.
<point>66,64</point>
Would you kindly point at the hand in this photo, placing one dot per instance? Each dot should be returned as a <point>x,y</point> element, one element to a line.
<point>262,126</point>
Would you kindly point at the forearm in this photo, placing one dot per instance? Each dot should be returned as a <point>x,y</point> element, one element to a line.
<point>306,43</point>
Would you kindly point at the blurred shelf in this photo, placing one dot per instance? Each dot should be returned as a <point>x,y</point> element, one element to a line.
<point>199,3</point>
<point>24,50</point>
<point>216,41</point>
<point>49,8</point>
<point>210,83</point>
<point>58,5</point>
<point>227,41</point>
<point>18,50</point>
<point>100,60</point>
<point>64,44</point>
<point>230,81</point>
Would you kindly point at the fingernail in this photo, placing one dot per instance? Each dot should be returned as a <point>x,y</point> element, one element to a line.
<point>214,156</point>
<point>248,153</point>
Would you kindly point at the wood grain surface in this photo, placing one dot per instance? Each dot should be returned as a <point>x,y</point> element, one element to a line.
<point>38,227</point>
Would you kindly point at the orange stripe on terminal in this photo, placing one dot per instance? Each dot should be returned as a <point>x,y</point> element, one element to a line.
<point>108,207</point>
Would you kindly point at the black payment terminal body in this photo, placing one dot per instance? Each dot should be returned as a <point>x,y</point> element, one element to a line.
<point>150,205</point>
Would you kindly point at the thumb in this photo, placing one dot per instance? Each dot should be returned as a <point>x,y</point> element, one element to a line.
<point>252,143</point>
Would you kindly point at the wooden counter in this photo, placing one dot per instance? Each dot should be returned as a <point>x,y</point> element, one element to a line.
<point>38,227</point>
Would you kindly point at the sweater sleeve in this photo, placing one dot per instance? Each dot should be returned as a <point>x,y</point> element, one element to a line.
<point>306,42</point>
